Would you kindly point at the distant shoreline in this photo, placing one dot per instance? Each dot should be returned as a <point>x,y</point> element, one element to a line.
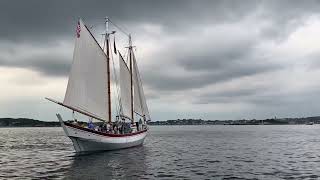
<point>273,121</point>
<point>25,122</point>
<point>228,124</point>
<point>8,127</point>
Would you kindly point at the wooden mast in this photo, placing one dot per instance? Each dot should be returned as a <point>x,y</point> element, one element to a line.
<point>108,70</point>
<point>131,80</point>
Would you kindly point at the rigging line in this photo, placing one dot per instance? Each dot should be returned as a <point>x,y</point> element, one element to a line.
<point>103,41</point>
<point>126,54</point>
<point>121,29</point>
<point>95,24</point>
<point>127,58</point>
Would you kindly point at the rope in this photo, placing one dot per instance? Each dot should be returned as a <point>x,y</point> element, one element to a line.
<point>103,41</point>
<point>126,55</point>
<point>121,29</point>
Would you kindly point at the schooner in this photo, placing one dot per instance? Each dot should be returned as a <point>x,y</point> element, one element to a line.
<point>89,93</point>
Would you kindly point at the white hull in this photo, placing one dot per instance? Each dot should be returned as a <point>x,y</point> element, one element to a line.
<point>84,140</point>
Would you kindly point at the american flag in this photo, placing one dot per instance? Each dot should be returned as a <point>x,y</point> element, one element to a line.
<point>78,30</point>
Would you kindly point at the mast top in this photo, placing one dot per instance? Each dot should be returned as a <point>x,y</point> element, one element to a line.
<point>107,33</point>
<point>130,41</point>
<point>130,47</point>
<point>107,24</point>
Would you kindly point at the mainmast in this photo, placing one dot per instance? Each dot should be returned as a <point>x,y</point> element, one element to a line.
<point>108,68</point>
<point>107,41</point>
<point>131,79</point>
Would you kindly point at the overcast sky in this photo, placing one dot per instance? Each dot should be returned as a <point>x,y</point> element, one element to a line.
<point>198,59</point>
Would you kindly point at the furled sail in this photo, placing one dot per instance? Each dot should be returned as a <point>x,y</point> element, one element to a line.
<point>87,85</point>
<point>125,88</point>
<point>140,104</point>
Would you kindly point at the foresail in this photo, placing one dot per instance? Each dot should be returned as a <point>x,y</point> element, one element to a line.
<point>140,104</point>
<point>125,88</point>
<point>87,85</point>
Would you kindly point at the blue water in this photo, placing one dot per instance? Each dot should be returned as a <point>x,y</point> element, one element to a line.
<point>169,152</point>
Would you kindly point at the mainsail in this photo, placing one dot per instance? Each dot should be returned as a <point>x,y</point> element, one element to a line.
<point>87,85</point>
<point>140,104</point>
<point>125,89</point>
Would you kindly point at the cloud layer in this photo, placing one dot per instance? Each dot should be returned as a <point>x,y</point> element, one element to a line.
<point>208,59</point>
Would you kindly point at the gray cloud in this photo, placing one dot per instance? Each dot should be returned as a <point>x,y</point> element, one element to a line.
<point>312,61</point>
<point>44,22</point>
<point>166,82</point>
<point>47,65</point>
<point>41,20</point>
<point>194,61</point>
<point>208,63</point>
<point>265,100</point>
<point>228,96</point>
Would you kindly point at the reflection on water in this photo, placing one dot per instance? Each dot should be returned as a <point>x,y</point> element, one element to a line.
<point>122,164</point>
<point>169,152</point>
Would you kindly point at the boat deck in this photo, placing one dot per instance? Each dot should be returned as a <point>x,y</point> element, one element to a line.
<point>102,133</point>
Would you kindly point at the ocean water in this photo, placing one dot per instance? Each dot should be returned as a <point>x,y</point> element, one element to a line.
<point>169,152</point>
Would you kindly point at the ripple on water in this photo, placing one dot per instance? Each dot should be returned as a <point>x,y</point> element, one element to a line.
<point>189,152</point>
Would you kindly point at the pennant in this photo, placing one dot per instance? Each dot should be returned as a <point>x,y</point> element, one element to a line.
<point>114,45</point>
<point>78,30</point>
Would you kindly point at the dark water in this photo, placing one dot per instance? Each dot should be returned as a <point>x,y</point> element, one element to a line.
<point>174,152</point>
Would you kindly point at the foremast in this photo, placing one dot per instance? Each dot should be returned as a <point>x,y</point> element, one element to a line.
<point>107,41</point>
<point>131,78</point>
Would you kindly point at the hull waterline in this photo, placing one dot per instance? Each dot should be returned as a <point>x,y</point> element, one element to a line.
<point>84,139</point>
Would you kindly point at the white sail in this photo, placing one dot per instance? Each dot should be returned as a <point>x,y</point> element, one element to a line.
<point>140,104</point>
<point>87,85</point>
<point>125,88</point>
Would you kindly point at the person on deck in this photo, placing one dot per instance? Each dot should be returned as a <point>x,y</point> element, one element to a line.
<point>109,128</point>
<point>115,129</point>
<point>129,127</point>
<point>144,122</point>
<point>102,127</point>
<point>123,126</point>
<point>140,124</point>
<point>75,122</point>
<point>90,124</point>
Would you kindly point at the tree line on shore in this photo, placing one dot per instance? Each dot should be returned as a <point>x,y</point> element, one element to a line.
<point>271,121</point>
<point>25,122</point>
